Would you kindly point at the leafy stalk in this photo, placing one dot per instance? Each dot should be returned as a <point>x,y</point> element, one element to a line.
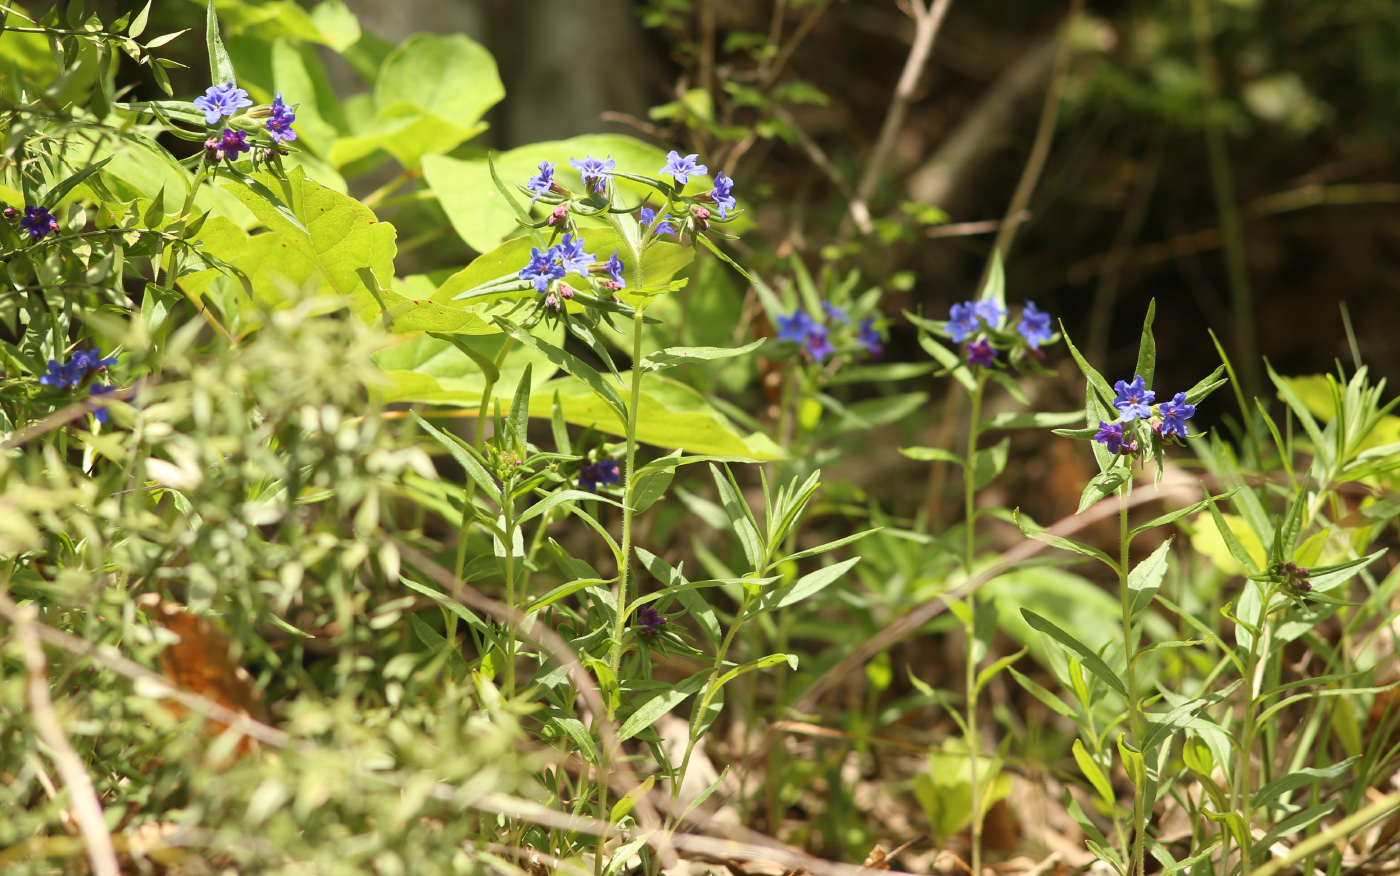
<point>974,740</point>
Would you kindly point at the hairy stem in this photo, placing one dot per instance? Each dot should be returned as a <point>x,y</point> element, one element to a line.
<point>974,739</point>
<point>1135,721</point>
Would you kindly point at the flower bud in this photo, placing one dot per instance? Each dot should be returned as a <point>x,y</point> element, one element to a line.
<point>560,213</point>
<point>11,212</point>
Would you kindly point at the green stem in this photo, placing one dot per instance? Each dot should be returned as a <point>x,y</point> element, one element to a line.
<point>974,739</point>
<point>703,704</point>
<point>624,562</point>
<point>1244,794</point>
<point>1135,855</point>
<point>469,491</point>
<point>508,511</point>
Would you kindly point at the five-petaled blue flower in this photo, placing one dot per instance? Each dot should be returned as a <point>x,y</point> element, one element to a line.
<point>818,343</point>
<point>990,312</point>
<point>234,143</point>
<point>1175,413</point>
<point>38,221</point>
<point>648,216</point>
<point>651,620</point>
<point>279,124</point>
<point>542,268</point>
<point>795,328</point>
<point>599,474</point>
<point>835,313</point>
<point>962,321</point>
<point>220,101</point>
<point>571,253</point>
<point>99,413</point>
<point>615,267</point>
<point>1034,326</point>
<point>981,353</point>
<point>1110,435</point>
<point>682,167</point>
<point>724,201</point>
<point>71,373</point>
<point>869,338</point>
<point>542,181</point>
<point>595,172</point>
<point>1134,399</point>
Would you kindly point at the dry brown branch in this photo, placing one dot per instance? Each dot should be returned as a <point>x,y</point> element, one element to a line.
<point>927,21</point>
<point>86,806</point>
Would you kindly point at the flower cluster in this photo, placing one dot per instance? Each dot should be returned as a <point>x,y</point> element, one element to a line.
<point>549,265</point>
<point>1293,576</point>
<point>602,473</point>
<point>650,620</point>
<point>226,141</point>
<point>70,375</point>
<point>813,337</point>
<point>684,213</point>
<point>37,221</point>
<point>1134,403</point>
<point>982,326</point>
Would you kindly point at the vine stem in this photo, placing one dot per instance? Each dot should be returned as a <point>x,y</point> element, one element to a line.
<point>974,740</point>
<point>1134,704</point>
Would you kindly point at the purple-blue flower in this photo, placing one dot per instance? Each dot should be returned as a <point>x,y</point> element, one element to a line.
<point>818,343</point>
<point>71,373</point>
<point>230,145</point>
<point>795,328</point>
<point>870,339</point>
<point>1175,413</point>
<point>542,181</point>
<point>981,353</point>
<point>99,413</point>
<point>724,201</point>
<point>835,313</point>
<point>599,474</point>
<point>962,321</point>
<point>682,167</point>
<point>221,100</point>
<point>1034,326</point>
<point>1110,435</point>
<point>615,267</point>
<point>571,253</point>
<point>651,620</point>
<point>542,268</point>
<point>648,216</point>
<point>1134,399</point>
<point>91,361</point>
<point>990,312</point>
<point>38,221</point>
<point>595,172</point>
<point>279,124</point>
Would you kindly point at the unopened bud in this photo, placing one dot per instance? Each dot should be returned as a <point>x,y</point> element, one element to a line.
<point>611,285</point>
<point>559,214</point>
<point>551,302</point>
<point>11,212</point>
<point>566,291</point>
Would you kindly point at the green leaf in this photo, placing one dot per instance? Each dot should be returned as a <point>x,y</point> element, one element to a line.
<point>56,194</point>
<point>1043,420</point>
<point>807,586</point>
<point>518,421</point>
<point>428,99</point>
<point>623,807</point>
<point>829,546</point>
<point>648,488</point>
<point>932,454</point>
<point>1147,348</point>
<point>431,638</point>
<point>1052,702</point>
<point>474,469</point>
<point>950,360</point>
<point>1093,773</point>
<point>653,709</point>
<point>570,363</point>
<point>1145,578</point>
<point>1064,544</point>
<point>479,214</point>
<point>1298,779</point>
<point>762,663</point>
<point>989,463</point>
<point>1173,516</point>
<point>564,590</point>
<point>220,66</point>
<point>554,500</point>
<point>1095,379</point>
<point>1092,661</point>
<point>673,356</point>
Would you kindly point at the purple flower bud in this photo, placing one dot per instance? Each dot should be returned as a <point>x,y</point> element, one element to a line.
<point>981,353</point>
<point>560,213</point>
<point>11,212</point>
<point>565,291</point>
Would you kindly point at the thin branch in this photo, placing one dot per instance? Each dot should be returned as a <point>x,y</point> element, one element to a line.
<point>86,806</point>
<point>1045,132</point>
<point>814,152</point>
<point>964,229</point>
<point>798,35</point>
<point>927,22</point>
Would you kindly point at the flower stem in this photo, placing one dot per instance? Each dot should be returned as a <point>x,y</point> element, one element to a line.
<point>1135,854</point>
<point>974,739</point>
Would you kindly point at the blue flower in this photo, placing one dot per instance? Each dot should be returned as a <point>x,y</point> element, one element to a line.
<point>65,376</point>
<point>869,338</point>
<point>542,268</point>
<point>230,145</point>
<point>835,313</point>
<point>99,413</point>
<point>595,172</point>
<point>1175,413</point>
<point>962,321</point>
<point>981,353</point>
<point>990,312</point>
<point>572,255</point>
<point>682,168</point>
<point>599,474</point>
<point>1110,435</point>
<point>279,124</point>
<point>795,328</point>
<point>818,343</point>
<point>724,201</point>
<point>38,221</point>
<point>221,100</point>
<point>615,267</point>
<point>648,216</point>
<point>542,181</point>
<point>1034,326</point>
<point>1134,399</point>
<point>91,361</point>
